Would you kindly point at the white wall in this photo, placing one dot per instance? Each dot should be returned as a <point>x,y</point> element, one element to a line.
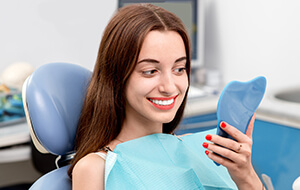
<point>43,31</point>
<point>243,38</point>
<point>259,37</point>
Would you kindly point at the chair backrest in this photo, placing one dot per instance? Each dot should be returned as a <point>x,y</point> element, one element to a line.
<point>52,96</point>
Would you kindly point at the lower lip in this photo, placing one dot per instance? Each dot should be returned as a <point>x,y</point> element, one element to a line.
<point>164,107</point>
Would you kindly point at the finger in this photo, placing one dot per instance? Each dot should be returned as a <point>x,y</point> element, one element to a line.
<point>222,154</point>
<point>249,131</point>
<point>224,142</point>
<point>232,131</point>
<point>225,152</point>
<point>219,159</point>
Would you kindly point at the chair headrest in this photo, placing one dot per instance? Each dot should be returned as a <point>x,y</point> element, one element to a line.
<point>53,96</point>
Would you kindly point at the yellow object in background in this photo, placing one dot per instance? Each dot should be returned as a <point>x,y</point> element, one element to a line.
<point>11,82</point>
<point>15,74</point>
<point>4,88</point>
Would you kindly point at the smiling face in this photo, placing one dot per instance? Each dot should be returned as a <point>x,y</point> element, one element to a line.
<point>157,86</point>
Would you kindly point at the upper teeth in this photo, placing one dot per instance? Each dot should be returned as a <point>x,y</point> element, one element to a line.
<point>163,102</point>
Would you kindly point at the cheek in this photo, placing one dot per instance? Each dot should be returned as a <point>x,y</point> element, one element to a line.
<point>139,88</point>
<point>183,84</point>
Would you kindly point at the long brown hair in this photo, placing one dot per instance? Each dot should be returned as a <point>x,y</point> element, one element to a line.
<point>103,111</point>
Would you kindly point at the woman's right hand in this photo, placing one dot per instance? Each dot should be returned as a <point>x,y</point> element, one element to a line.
<point>235,155</point>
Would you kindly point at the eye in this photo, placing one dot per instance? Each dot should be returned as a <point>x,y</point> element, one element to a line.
<point>179,70</point>
<point>149,72</point>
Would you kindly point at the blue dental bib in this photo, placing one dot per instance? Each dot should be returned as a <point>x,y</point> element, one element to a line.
<point>163,161</point>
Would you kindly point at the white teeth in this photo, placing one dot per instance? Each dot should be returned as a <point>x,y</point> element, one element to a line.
<point>162,102</point>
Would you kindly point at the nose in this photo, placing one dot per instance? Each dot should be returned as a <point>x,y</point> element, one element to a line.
<point>167,84</point>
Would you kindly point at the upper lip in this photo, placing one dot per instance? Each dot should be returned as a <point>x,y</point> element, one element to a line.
<point>163,98</point>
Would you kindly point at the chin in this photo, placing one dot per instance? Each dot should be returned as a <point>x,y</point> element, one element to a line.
<point>167,119</point>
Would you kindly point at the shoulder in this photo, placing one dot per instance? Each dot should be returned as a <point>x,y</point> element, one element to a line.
<point>90,163</point>
<point>87,172</point>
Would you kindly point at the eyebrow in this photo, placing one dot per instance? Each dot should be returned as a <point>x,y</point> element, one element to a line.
<point>181,59</point>
<point>155,61</point>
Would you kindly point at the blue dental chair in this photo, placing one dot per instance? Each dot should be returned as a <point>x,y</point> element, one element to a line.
<point>52,96</point>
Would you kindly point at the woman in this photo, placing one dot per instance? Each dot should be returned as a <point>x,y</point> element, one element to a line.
<point>138,92</point>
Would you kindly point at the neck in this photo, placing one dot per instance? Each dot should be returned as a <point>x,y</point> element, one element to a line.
<point>133,129</point>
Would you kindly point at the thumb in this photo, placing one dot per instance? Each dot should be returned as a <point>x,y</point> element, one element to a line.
<point>251,126</point>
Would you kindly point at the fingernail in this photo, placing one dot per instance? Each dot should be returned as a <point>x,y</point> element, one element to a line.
<point>206,152</point>
<point>208,137</point>
<point>223,124</point>
<point>205,145</point>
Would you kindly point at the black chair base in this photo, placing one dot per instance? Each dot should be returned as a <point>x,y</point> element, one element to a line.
<point>24,186</point>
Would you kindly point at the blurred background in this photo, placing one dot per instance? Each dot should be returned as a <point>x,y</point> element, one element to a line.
<point>243,38</point>
<point>233,40</point>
